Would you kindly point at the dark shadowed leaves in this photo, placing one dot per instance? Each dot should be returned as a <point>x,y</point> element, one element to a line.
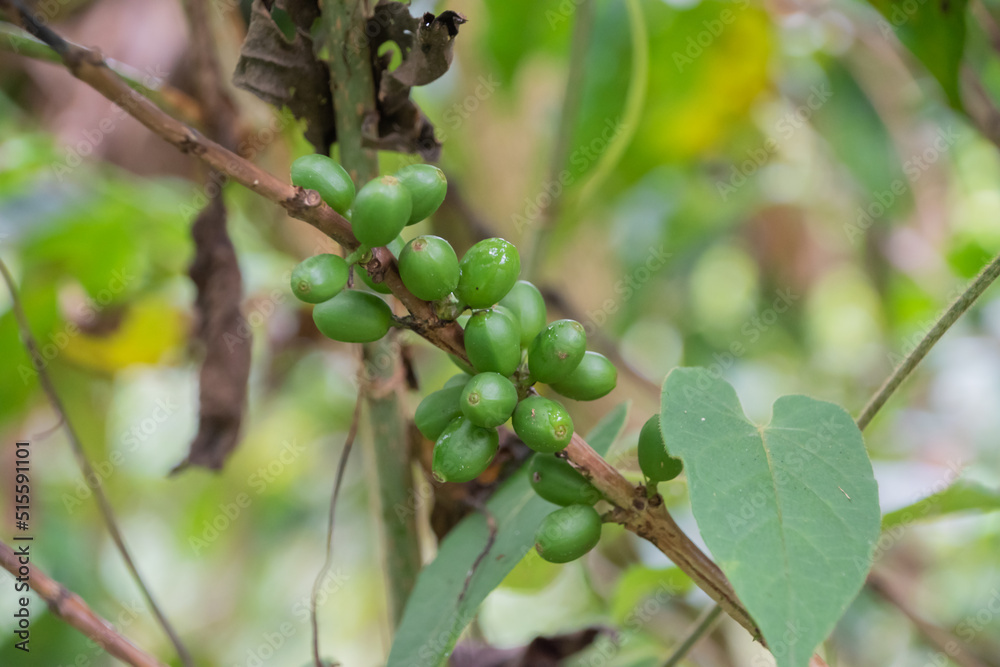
<point>222,334</point>
<point>426,45</point>
<point>286,72</point>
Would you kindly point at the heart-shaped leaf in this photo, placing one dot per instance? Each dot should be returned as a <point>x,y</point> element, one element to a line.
<point>789,510</point>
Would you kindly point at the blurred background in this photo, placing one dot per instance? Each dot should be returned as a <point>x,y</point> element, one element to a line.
<point>779,191</point>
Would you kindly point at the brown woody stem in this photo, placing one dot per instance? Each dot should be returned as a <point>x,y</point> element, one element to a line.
<point>70,607</point>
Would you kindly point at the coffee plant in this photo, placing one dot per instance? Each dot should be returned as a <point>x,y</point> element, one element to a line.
<point>788,520</point>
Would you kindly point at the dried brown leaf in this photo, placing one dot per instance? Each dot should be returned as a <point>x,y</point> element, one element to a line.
<point>222,333</point>
<point>285,73</point>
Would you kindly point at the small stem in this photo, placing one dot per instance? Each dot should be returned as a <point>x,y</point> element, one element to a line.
<point>958,307</point>
<point>16,41</point>
<point>328,561</point>
<point>70,607</point>
<point>87,470</point>
<point>704,624</point>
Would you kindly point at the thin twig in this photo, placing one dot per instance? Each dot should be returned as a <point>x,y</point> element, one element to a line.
<point>70,607</point>
<point>103,504</point>
<point>328,562</point>
<point>701,628</point>
<point>959,306</point>
<point>16,41</point>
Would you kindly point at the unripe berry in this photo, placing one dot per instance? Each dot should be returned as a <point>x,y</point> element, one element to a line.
<point>489,270</point>
<point>353,317</point>
<point>380,211</point>
<point>429,267</point>
<point>528,306</point>
<point>325,176</point>
<point>543,424</point>
<point>655,461</point>
<point>464,451</point>
<point>488,399</point>
<point>555,480</point>
<point>568,533</point>
<point>492,342</point>
<point>319,278</point>
<point>427,186</point>
<point>595,376</point>
<point>556,351</point>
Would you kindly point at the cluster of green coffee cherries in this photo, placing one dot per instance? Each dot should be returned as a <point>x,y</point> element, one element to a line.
<point>509,343</point>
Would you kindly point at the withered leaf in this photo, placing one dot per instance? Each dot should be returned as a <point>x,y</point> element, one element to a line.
<point>286,73</point>
<point>223,337</point>
<point>426,45</point>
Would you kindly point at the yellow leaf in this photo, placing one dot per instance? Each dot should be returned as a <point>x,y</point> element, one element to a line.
<point>149,330</point>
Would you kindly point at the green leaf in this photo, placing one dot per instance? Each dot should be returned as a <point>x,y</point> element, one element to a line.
<point>437,610</point>
<point>639,585</point>
<point>934,31</point>
<point>959,497</point>
<point>789,510</point>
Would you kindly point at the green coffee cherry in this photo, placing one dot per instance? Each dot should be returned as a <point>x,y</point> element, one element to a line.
<point>380,211</point>
<point>464,451</point>
<point>488,399</point>
<point>319,278</point>
<point>528,306</point>
<point>325,176</point>
<point>437,410</point>
<point>457,380</point>
<point>427,186</point>
<point>429,267</point>
<point>396,247</point>
<point>353,317</point>
<point>558,482</point>
<point>492,343</point>
<point>556,351</point>
<point>543,424</point>
<point>595,376</point>
<point>489,270</point>
<point>568,533</point>
<point>654,460</point>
